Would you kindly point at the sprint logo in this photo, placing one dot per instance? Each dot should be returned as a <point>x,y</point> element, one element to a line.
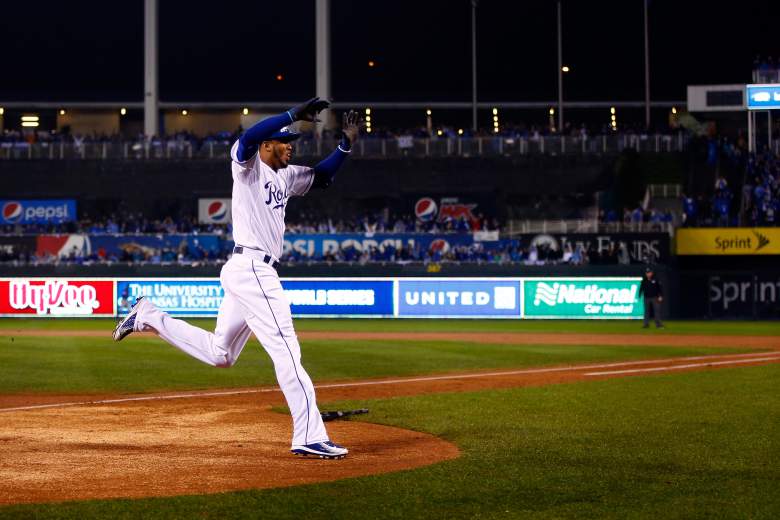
<point>573,293</point>
<point>742,243</point>
<point>763,241</point>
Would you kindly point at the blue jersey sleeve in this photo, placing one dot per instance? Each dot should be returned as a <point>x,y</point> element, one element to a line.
<point>325,171</point>
<point>250,140</point>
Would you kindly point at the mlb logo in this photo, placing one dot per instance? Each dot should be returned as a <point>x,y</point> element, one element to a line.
<point>214,211</point>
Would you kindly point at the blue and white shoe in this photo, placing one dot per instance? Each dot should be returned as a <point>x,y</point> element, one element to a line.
<point>126,326</point>
<point>323,450</point>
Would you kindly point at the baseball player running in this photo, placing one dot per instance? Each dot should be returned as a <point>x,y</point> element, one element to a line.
<point>263,181</point>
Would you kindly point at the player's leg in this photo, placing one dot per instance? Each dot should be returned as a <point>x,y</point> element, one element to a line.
<point>267,312</point>
<point>220,349</point>
<point>657,313</point>
<point>648,309</point>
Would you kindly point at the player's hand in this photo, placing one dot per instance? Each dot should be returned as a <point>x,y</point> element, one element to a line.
<point>660,299</point>
<point>350,126</point>
<point>308,111</point>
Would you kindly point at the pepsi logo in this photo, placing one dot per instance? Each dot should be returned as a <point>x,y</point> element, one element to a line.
<point>439,245</point>
<point>425,209</point>
<point>12,211</point>
<point>217,211</point>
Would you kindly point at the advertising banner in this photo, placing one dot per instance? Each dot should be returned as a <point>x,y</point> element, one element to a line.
<point>64,297</point>
<point>742,295</point>
<point>339,297</point>
<point>308,297</point>
<point>16,246</point>
<point>641,246</point>
<point>146,246</point>
<point>582,298</point>
<point>763,97</point>
<point>214,211</point>
<point>52,211</point>
<point>318,245</point>
<point>426,209</point>
<point>452,298</point>
<point>601,298</point>
<point>728,241</point>
<point>63,245</point>
<point>176,296</point>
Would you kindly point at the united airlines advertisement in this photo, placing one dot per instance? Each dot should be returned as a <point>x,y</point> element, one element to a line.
<point>459,298</point>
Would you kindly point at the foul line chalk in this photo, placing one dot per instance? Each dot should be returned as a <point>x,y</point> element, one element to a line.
<point>682,367</point>
<point>748,358</point>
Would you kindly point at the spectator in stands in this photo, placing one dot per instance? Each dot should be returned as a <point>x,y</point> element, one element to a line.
<point>689,215</point>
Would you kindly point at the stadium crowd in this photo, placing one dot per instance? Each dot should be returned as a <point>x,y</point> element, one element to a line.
<point>655,219</point>
<point>14,137</point>
<point>504,252</point>
<point>510,251</point>
<point>754,202</point>
<point>182,245</point>
<point>123,222</point>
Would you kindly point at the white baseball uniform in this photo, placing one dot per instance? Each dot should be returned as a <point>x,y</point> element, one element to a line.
<point>254,301</point>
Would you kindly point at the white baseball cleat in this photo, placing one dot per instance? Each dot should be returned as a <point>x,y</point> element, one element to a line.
<point>127,326</point>
<point>323,450</point>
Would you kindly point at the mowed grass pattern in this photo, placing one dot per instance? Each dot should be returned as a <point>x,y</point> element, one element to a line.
<point>693,445</point>
<point>730,328</point>
<point>139,364</point>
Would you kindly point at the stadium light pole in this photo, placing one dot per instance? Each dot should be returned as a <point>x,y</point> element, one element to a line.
<point>151,93</point>
<point>560,70</point>
<point>474,4</point>
<point>322,30</point>
<point>647,71</point>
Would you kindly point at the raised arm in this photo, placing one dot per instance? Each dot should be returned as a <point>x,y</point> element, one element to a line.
<point>325,171</point>
<point>261,131</point>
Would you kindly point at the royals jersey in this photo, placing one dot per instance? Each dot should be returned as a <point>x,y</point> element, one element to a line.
<point>259,199</point>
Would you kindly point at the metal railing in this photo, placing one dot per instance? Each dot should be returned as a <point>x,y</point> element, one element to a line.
<point>404,146</point>
<point>519,227</point>
<point>666,191</point>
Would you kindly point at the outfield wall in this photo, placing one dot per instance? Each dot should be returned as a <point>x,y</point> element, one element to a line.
<point>381,297</point>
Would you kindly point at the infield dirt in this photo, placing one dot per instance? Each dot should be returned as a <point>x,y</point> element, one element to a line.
<point>194,443</point>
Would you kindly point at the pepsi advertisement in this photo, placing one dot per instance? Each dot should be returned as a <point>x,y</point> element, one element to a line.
<point>319,245</point>
<point>54,211</point>
<point>214,211</point>
<point>459,298</point>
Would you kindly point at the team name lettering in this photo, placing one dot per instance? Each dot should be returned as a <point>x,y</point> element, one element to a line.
<point>276,196</point>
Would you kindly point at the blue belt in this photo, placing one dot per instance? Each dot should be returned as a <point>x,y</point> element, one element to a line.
<point>268,259</point>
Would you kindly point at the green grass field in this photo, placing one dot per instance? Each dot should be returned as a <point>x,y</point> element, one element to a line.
<point>687,445</point>
<point>731,328</point>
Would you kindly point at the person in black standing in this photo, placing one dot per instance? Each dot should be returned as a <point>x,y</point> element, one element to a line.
<point>652,291</point>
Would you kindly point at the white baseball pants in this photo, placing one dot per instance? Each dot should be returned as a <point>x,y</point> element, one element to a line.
<point>254,302</point>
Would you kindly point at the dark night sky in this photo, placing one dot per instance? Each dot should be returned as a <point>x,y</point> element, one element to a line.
<point>232,50</point>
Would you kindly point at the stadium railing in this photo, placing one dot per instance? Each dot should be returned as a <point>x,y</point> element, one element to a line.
<point>396,147</point>
<point>518,227</point>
